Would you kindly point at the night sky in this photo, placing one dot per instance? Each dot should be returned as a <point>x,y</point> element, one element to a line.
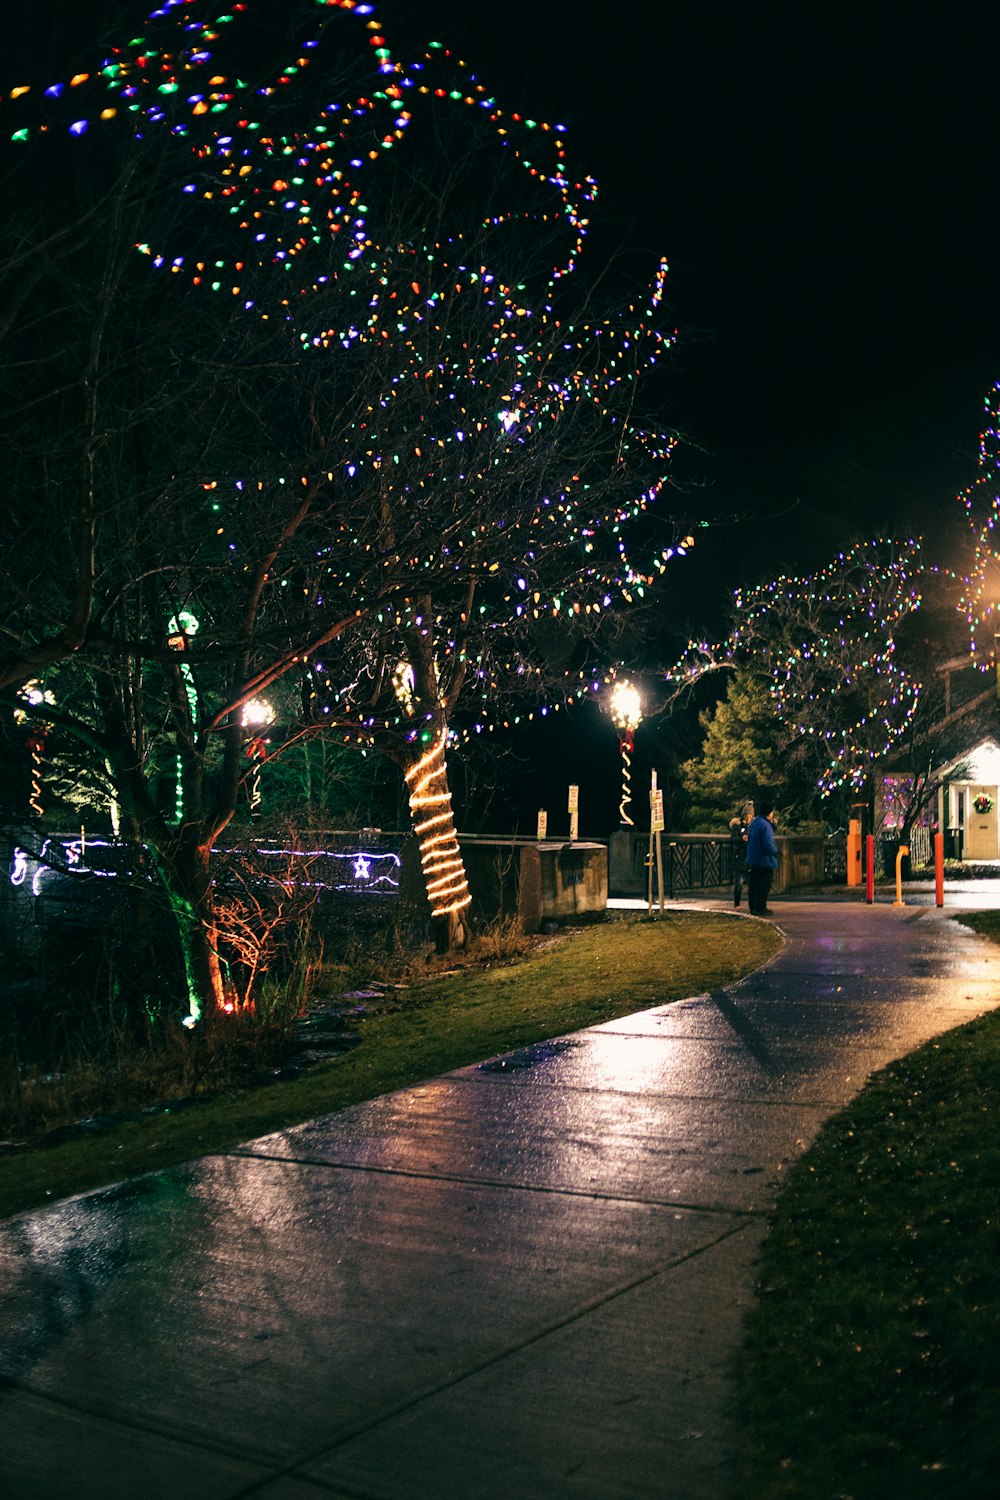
<point>822,181</point>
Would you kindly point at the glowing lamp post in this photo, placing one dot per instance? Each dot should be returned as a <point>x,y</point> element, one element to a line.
<point>257,716</point>
<point>626,712</point>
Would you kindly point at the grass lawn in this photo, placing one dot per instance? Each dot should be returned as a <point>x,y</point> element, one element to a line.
<point>872,1361</point>
<point>591,975</point>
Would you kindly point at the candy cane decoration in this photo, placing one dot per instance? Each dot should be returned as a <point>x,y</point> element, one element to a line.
<point>626,712</point>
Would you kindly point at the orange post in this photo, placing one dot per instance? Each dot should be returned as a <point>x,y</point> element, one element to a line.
<point>870,868</point>
<point>854,852</point>
<point>939,869</point>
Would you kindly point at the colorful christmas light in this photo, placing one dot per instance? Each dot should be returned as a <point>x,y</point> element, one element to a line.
<point>495,445</point>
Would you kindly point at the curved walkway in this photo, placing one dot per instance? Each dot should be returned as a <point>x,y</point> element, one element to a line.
<point>524,1279</point>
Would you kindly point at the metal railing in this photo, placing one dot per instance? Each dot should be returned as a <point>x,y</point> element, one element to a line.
<point>835,859</point>
<point>698,862</point>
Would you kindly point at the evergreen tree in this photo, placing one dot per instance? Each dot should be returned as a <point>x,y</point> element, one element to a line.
<point>741,751</point>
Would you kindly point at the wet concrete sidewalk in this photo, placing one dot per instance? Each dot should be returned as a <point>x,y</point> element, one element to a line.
<point>524,1279</point>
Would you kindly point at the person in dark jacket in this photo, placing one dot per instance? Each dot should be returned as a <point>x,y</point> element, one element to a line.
<point>762,857</point>
<point>738,842</point>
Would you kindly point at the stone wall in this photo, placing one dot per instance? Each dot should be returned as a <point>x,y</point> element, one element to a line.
<point>533,882</point>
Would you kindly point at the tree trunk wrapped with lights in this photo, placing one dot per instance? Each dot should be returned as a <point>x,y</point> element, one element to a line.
<point>186,876</point>
<point>440,855</point>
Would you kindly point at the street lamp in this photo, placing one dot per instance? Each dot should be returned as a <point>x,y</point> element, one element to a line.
<point>257,716</point>
<point>626,712</point>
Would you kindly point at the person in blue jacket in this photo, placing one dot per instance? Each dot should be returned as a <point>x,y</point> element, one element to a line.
<point>762,857</point>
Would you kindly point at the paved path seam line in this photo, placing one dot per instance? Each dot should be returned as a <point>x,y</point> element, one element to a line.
<point>490,1182</point>
<point>556,1325</point>
<point>129,1423</point>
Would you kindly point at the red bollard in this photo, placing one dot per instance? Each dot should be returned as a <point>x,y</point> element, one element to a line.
<point>939,868</point>
<point>870,868</point>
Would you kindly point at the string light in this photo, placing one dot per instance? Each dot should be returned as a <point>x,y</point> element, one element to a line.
<point>36,746</point>
<point>371,870</point>
<point>822,640</point>
<point>979,595</point>
<point>408,291</point>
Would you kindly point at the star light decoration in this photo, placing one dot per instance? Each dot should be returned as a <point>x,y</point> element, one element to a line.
<point>979,596</point>
<point>97,858</point>
<point>293,212</point>
<point>826,642</point>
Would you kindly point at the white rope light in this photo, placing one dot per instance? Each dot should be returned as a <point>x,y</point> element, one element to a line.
<point>440,856</point>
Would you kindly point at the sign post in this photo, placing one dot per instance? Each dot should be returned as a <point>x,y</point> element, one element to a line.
<point>655,841</point>
<point>574,814</point>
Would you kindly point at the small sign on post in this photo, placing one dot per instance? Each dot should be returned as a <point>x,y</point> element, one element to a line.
<point>655,841</point>
<point>543,825</point>
<point>574,813</point>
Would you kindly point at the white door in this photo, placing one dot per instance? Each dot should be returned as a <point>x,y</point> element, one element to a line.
<point>981,827</point>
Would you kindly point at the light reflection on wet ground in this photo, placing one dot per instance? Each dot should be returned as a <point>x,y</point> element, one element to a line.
<point>525,1278</point>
